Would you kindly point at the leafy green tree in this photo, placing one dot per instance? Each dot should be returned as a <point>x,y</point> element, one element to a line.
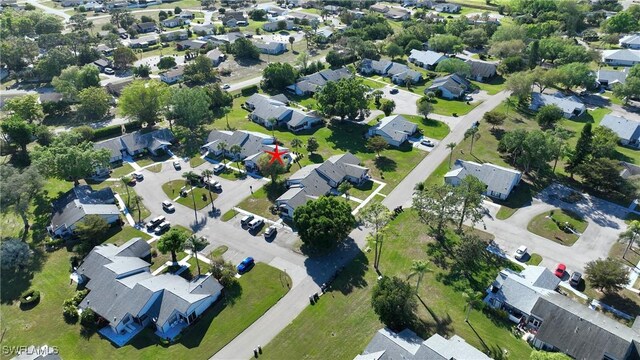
<point>190,107</point>
<point>609,275</point>
<point>343,98</point>
<point>142,71</point>
<point>376,216</point>
<point>534,54</point>
<point>548,116</point>
<point>602,175</point>
<point>604,142</point>
<point>26,107</point>
<point>200,71</point>
<point>172,242</point>
<point>451,146</point>
<point>49,24</point>
<point>74,79</point>
<point>446,43</point>
<point>271,169</point>
<point>194,244</point>
<point>54,61</point>
<point>207,174</point>
<point>223,271</point>
<point>18,52</point>
<point>631,236</point>
<point>278,76</point>
<point>312,145</point>
<point>123,57</point>
<point>144,100</point>
<point>166,62</point>
<point>576,75</point>
<point>387,106</point>
<point>91,229</point>
<point>419,267</point>
<point>508,48</point>
<point>14,254</point>
<point>424,107</point>
<point>475,38</point>
<point>18,189</point>
<point>218,98</point>
<point>454,66</point>
<point>324,222</point>
<point>94,103</point>
<point>494,117</point>
<point>235,151</point>
<point>630,89</point>
<point>622,22</point>
<point>582,150</point>
<point>245,49</point>
<point>470,192</point>
<point>295,144</point>
<point>377,144</point>
<point>473,300</point>
<point>520,86</point>
<point>393,301</point>
<point>457,26</point>
<point>469,254</point>
<point>437,206</point>
<point>344,188</point>
<point>393,50</point>
<point>18,131</point>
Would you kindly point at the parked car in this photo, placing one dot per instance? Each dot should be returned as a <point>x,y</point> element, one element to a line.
<point>213,185</point>
<point>270,232</point>
<point>168,206</point>
<point>246,219</point>
<point>109,71</point>
<point>155,222</point>
<point>575,279</point>
<point>520,253</point>
<point>160,229</point>
<point>138,176</point>
<point>245,265</point>
<point>176,165</point>
<point>560,270</point>
<point>427,142</point>
<point>217,168</point>
<point>468,98</point>
<point>255,224</point>
<point>393,91</point>
<point>226,86</point>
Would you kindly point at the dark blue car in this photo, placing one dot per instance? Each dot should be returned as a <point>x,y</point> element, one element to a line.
<point>245,265</point>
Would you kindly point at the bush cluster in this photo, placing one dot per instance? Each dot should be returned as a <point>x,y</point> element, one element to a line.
<point>29,298</point>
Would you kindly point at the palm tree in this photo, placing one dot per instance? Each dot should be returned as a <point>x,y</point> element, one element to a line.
<point>222,146</point>
<point>272,124</point>
<point>235,150</point>
<point>419,267</point>
<point>451,146</point>
<point>126,179</point>
<point>473,301</point>
<point>138,200</point>
<point>631,236</point>
<point>508,104</point>
<point>195,243</point>
<point>295,144</point>
<point>207,174</point>
<point>291,40</point>
<point>226,110</point>
<point>189,177</point>
<point>472,132</point>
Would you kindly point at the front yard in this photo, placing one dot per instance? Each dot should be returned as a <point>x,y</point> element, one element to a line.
<point>262,200</point>
<point>548,225</point>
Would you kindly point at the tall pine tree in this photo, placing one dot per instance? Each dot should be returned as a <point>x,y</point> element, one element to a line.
<point>534,54</point>
<point>582,150</point>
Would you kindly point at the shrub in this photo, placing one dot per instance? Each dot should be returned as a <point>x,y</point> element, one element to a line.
<point>114,130</point>
<point>54,243</point>
<point>248,91</point>
<point>70,314</point>
<point>88,317</point>
<point>29,298</point>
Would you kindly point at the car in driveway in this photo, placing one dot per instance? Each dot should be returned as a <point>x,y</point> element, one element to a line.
<point>575,279</point>
<point>226,86</point>
<point>246,219</point>
<point>176,165</point>
<point>520,253</point>
<point>162,228</point>
<point>394,91</point>
<point>168,206</point>
<point>217,168</point>
<point>245,265</point>
<point>213,185</point>
<point>560,270</point>
<point>109,71</point>
<point>255,224</point>
<point>270,232</point>
<point>138,176</point>
<point>155,222</point>
<point>427,142</point>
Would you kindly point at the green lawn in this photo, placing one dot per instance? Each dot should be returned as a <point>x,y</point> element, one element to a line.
<point>258,290</point>
<point>261,200</point>
<point>228,215</point>
<point>544,226</point>
<point>534,259</point>
<point>364,190</point>
<point>121,171</point>
<point>341,324</point>
<point>155,168</point>
<point>451,107</point>
<point>196,161</point>
<point>430,128</point>
<point>201,197</point>
<point>492,87</point>
<point>172,188</point>
<point>121,235</point>
<point>144,161</point>
<point>372,84</point>
<point>630,259</point>
<point>219,250</point>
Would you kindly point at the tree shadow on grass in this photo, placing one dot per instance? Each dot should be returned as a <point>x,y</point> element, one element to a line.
<point>275,190</point>
<point>14,283</point>
<point>498,133</point>
<point>386,164</point>
<point>316,158</point>
<point>622,303</point>
<point>328,269</point>
<point>348,136</point>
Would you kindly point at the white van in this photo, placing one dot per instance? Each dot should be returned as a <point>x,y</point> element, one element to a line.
<point>255,223</point>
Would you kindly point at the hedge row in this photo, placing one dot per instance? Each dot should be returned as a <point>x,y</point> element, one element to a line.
<point>248,91</point>
<point>110,131</point>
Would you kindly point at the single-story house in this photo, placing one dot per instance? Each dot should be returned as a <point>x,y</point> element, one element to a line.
<point>216,56</point>
<point>399,73</point>
<point>500,180</point>
<point>172,76</point>
<point>72,207</point>
<point>202,30</point>
<point>145,27</point>
<point>71,3</point>
<point>379,8</point>
<point>395,129</point>
<point>407,345</point>
<point>297,16</point>
<point>264,109</point>
<point>234,19</point>
<point>452,86</point>
<point>144,41</point>
<point>173,22</point>
<point>426,59</point>
<point>623,57</point>
<point>174,35</point>
<point>380,67</point>
<point>275,11</point>
<point>312,83</point>
<point>627,130</point>
<point>104,49</point>
<point>481,70</point>
<point>397,14</point>
<point>253,146</point>
<point>324,34</point>
<point>115,88</point>
<point>228,38</point>
<point>317,180</point>
<point>102,64</point>
<point>357,14</point>
<point>482,18</point>
<point>124,293</point>
<point>571,105</point>
<point>271,48</point>
<point>332,9</point>
<point>191,44</point>
<point>631,41</point>
<point>136,143</point>
<point>272,26</point>
<point>608,78</point>
<point>447,8</point>
<point>187,14</point>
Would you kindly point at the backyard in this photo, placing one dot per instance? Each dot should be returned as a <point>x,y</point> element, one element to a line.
<point>552,225</point>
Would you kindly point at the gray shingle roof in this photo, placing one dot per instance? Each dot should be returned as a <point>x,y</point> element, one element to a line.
<point>454,83</point>
<point>139,140</point>
<point>622,55</point>
<point>481,68</point>
<point>428,57</point>
<point>396,127</point>
<point>497,178</point>
<point>568,104</point>
<point>80,201</point>
<point>628,130</point>
<point>114,146</point>
<point>611,76</point>
<point>522,290</point>
<point>252,143</point>
<point>312,82</point>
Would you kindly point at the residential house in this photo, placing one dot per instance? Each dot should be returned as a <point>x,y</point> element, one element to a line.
<point>274,25</point>
<point>452,86</point>
<point>216,56</point>
<point>174,35</point>
<point>500,180</point>
<point>115,87</point>
<point>173,22</point>
<point>191,44</point>
<point>399,73</point>
<point>234,19</point>
<point>271,48</point>
<point>144,41</point>
<point>187,14</point>
<point>631,41</point>
<point>627,130</point>
<point>264,110</point>
<point>324,35</point>
<point>4,73</point>
<point>172,76</point>
<point>125,295</point>
<point>202,30</point>
<point>275,11</point>
<point>104,49</point>
<point>608,78</point>
<point>426,4</point>
<point>228,38</point>
<point>397,14</point>
<point>71,3</point>
<point>298,16</point>
<point>407,345</point>
<point>447,8</point>
<point>357,14</point>
<point>624,57</point>
<point>253,146</point>
<point>426,59</point>
<point>310,84</point>
<point>313,181</point>
<point>102,64</point>
<point>571,106</point>
<point>332,9</point>
<point>50,97</point>
<point>482,18</point>
<point>517,292</point>
<point>145,27</point>
<point>395,129</point>
<point>379,8</point>
<point>136,143</point>
<point>481,70</point>
<point>72,207</point>
<point>116,4</point>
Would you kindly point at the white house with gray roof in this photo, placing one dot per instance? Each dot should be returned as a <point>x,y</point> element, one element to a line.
<point>452,86</point>
<point>264,109</point>
<point>271,48</point>
<point>608,78</point>
<point>253,145</point>
<point>316,180</point>
<point>426,59</point>
<point>310,84</point>
<point>571,106</point>
<point>129,298</point>
<point>395,129</point>
<point>631,41</point>
<point>136,143</point>
<point>627,130</point>
<point>407,345</point>
<point>500,180</point>
<point>623,57</point>
<point>399,73</point>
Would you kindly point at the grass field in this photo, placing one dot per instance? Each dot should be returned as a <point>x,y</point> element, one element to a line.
<point>317,333</point>
<point>200,196</point>
<point>121,171</point>
<point>534,259</point>
<point>430,128</point>
<point>261,200</point>
<point>543,225</point>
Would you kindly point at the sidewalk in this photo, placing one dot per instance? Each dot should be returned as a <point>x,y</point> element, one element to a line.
<point>124,210</point>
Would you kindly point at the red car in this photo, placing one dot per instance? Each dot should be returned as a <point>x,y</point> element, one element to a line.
<point>560,269</point>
